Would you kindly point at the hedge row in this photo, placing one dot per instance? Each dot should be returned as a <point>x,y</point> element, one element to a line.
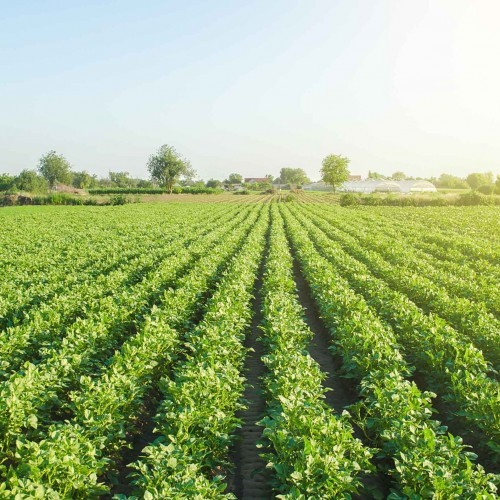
<point>176,190</point>
<point>61,199</point>
<point>465,199</point>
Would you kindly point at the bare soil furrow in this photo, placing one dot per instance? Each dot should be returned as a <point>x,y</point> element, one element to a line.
<point>251,479</point>
<point>341,392</point>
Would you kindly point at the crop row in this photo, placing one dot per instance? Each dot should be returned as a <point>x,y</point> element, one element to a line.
<point>415,225</point>
<point>403,226</point>
<point>464,230</point>
<point>198,416</point>
<point>312,451</point>
<point>55,272</point>
<point>35,394</point>
<point>51,241</point>
<point>46,328</point>
<point>468,317</point>
<point>393,411</point>
<point>72,456</point>
<point>478,277</point>
<point>452,366</point>
<point>456,279</point>
<point>467,245</point>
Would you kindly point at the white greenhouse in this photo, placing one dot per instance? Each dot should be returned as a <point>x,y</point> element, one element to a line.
<point>388,186</point>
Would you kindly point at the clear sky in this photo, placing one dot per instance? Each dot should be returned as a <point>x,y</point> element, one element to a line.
<point>252,86</point>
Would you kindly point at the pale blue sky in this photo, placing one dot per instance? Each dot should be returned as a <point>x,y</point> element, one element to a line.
<point>252,86</point>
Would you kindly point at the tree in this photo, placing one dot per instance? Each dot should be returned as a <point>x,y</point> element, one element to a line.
<point>398,176</point>
<point>54,168</point>
<point>476,179</point>
<point>167,167</point>
<point>29,180</point>
<point>143,183</point>
<point>334,170</point>
<point>451,182</point>
<point>234,179</point>
<point>293,176</point>
<point>120,179</point>
<point>213,183</point>
<point>7,182</point>
<point>83,180</point>
<point>375,175</point>
<point>486,189</point>
<point>190,182</point>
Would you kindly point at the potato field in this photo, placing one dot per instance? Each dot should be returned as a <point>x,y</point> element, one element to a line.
<point>249,347</point>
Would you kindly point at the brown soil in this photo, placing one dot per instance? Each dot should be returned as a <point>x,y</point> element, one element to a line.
<point>64,188</point>
<point>342,392</point>
<point>144,435</point>
<point>444,413</point>
<point>251,479</point>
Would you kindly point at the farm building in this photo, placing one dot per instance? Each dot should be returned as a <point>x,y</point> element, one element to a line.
<point>317,186</point>
<point>388,186</point>
<point>322,186</point>
<point>256,180</point>
<point>234,187</point>
<point>417,186</point>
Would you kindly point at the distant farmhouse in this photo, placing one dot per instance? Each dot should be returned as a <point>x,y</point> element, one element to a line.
<point>256,180</point>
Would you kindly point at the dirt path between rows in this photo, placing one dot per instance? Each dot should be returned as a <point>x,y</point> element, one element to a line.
<point>445,413</point>
<point>144,436</point>
<point>342,392</point>
<point>251,479</point>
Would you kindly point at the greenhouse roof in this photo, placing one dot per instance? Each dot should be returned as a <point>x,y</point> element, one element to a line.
<point>382,185</point>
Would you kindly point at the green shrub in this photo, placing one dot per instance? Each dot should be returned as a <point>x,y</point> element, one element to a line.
<point>440,201</point>
<point>486,189</point>
<point>57,199</point>
<point>104,191</point>
<point>372,200</point>
<point>349,200</point>
<point>175,190</point>
<point>200,190</point>
<point>474,198</point>
<point>409,201</point>
<point>118,199</point>
<point>7,200</point>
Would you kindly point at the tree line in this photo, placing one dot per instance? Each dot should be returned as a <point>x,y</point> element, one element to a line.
<point>167,168</point>
<point>477,181</point>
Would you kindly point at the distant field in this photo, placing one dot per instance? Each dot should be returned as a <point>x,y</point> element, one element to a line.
<point>173,350</point>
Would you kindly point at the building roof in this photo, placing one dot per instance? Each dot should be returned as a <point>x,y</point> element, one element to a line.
<point>416,185</point>
<point>384,186</point>
<point>256,179</point>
